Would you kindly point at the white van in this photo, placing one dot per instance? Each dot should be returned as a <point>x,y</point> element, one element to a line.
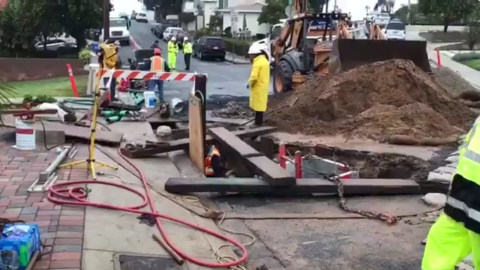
<point>395,29</point>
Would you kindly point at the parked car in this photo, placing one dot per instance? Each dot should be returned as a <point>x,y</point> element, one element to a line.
<point>141,17</point>
<point>170,32</point>
<point>395,29</point>
<point>208,46</point>
<point>54,44</point>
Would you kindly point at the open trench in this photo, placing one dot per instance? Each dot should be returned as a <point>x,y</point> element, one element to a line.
<point>373,164</point>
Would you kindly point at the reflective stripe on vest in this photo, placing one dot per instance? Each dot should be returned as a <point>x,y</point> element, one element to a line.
<point>472,213</point>
<point>157,63</point>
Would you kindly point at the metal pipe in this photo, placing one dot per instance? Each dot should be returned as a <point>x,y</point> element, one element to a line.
<point>178,106</point>
<point>47,177</point>
<point>53,166</point>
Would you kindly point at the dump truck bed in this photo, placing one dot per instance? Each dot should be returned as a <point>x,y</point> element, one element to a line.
<point>347,54</point>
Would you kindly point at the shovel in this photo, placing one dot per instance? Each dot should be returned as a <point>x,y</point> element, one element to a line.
<point>288,105</point>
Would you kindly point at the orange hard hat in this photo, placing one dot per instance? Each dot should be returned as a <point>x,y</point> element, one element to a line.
<point>157,51</point>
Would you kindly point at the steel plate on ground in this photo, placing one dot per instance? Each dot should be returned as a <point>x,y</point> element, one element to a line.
<point>144,262</point>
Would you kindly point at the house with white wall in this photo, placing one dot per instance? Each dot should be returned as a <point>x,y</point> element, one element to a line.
<point>244,10</point>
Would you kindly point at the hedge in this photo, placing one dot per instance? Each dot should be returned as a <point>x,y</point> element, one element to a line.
<point>237,46</point>
<point>461,57</point>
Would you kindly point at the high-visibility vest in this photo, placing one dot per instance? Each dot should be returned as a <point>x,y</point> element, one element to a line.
<point>187,48</point>
<point>156,63</point>
<point>172,47</point>
<point>463,201</point>
<point>208,161</point>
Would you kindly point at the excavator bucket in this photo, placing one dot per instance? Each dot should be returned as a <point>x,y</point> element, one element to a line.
<point>347,54</point>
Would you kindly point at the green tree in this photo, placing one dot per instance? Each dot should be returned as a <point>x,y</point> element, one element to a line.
<point>79,15</point>
<point>406,15</point>
<point>273,11</point>
<point>473,27</point>
<point>450,10</point>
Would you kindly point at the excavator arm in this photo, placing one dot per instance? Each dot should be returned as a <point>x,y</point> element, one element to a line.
<point>376,33</point>
<point>291,29</point>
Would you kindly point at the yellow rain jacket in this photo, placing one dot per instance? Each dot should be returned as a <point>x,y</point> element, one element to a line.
<point>259,82</point>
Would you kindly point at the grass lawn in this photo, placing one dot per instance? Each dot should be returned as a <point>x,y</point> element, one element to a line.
<point>55,87</point>
<point>473,63</point>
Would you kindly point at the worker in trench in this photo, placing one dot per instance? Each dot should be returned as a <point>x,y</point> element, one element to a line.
<point>259,80</point>
<point>456,233</point>
<point>157,64</point>
<point>172,53</point>
<point>213,162</point>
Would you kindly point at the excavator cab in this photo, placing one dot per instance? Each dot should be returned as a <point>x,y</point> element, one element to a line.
<point>303,48</point>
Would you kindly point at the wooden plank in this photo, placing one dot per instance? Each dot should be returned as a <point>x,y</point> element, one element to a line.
<point>73,132</point>
<point>303,186</point>
<point>255,161</point>
<point>196,134</point>
<point>227,138</point>
<point>183,144</point>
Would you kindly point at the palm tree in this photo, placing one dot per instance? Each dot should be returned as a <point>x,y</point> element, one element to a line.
<point>384,5</point>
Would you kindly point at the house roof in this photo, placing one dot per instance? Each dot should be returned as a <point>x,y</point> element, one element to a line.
<point>256,7</point>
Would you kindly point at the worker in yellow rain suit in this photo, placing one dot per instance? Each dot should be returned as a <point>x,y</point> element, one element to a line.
<point>172,53</point>
<point>259,80</point>
<point>456,233</point>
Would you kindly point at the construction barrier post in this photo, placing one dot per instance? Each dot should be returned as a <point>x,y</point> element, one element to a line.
<point>439,60</point>
<point>72,80</point>
<point>282,153</point>
<point>298,164</point>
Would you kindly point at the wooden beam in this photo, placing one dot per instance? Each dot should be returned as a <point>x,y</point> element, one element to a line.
<point>183,144</point>
<point>303,186</point>
<point>256,162</point>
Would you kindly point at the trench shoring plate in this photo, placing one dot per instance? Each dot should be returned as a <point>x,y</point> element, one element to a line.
<point>145,262</point>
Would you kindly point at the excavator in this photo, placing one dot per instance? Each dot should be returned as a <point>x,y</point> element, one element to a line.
<point>303,50</point>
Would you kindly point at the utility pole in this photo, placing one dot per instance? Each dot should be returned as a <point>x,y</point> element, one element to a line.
<point>408,12</point>
<point>106,20</point>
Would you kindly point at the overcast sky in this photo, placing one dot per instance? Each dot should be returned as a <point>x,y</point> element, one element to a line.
<point>357,7</point>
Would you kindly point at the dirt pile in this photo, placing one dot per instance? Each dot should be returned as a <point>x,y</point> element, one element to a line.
<point>373,101</point>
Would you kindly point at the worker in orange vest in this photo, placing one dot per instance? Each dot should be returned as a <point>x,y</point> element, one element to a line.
<point>213,162</point>
<point>157,64</point>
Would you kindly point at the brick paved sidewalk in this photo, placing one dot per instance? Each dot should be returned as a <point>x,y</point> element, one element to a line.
<point>61,226</point>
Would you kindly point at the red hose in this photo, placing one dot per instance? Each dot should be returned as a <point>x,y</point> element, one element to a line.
<point>60,193</point>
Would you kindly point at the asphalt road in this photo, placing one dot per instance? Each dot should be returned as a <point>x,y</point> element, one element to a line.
<point>226,81</point>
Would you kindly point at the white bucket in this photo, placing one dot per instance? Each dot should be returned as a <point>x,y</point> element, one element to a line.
<point>150,99</point>
<point>24,135</point>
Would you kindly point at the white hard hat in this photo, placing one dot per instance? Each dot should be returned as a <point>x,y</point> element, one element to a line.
<point>185,39</point>
<point>174,38</point>
<point>257,48</point>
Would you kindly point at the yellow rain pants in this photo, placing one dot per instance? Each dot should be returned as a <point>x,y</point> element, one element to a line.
<point>448,243</point>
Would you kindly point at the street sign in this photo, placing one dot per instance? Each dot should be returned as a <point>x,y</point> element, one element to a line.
<point>288,11</point>
<point>234,20</point>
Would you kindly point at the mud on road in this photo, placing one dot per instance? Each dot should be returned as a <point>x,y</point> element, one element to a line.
<point>331,244</point>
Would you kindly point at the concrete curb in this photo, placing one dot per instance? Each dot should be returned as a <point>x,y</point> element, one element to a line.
<point>236,63</point>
